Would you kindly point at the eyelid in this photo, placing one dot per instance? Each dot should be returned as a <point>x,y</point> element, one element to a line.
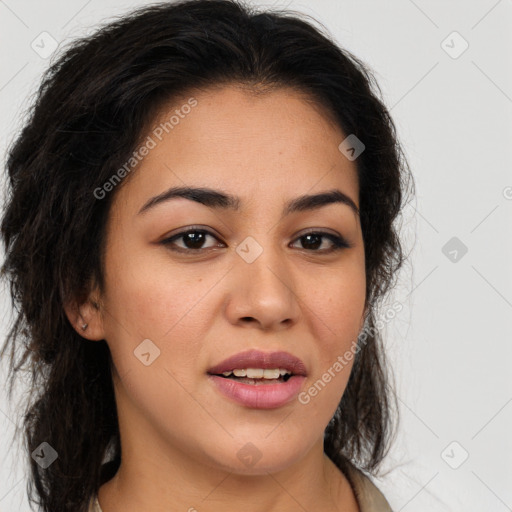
<point>339,241</point>
<point>168,239</point>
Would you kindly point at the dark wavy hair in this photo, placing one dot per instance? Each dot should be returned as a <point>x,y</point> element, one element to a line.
<point>94,104</point>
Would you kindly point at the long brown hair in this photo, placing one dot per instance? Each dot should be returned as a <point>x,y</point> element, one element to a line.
<point>92,108</point>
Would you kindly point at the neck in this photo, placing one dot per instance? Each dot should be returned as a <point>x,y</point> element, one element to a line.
<point>146,483</point>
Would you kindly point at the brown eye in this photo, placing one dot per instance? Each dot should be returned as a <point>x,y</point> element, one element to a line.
<point>193,240</point>
<point>313,241</point>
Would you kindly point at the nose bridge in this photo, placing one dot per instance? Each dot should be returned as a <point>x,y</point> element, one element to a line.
<point>264,288</point>
<point>262,260</point>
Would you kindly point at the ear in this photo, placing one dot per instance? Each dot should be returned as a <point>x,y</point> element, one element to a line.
<point>86,317</point>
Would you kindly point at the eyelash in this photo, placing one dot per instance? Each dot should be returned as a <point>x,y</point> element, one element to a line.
<point>339,243</point>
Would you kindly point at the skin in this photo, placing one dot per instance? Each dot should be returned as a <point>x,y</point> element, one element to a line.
<point>180,437</point>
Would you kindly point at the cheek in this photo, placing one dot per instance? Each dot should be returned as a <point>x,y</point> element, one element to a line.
<point>337,323</point>
<point>337,309</point>
<point>149,295</point>
<point>158,317</point>
<point>337,298</point>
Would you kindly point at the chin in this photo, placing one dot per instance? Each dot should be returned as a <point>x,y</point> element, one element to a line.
<point>258,457</point>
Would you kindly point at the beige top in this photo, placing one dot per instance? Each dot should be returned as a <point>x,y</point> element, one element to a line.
<point>368,496</point>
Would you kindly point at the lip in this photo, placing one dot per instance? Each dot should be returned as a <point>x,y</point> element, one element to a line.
<point>259,396</point>
<point>258,359</point>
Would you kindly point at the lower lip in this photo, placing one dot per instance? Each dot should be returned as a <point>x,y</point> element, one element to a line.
<point>259,396</point>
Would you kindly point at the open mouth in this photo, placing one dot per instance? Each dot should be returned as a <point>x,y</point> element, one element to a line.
<point>259,381</point>
<point>258,376</point>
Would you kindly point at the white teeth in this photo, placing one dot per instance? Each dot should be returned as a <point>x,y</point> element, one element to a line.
<point>271,374</point>
<point>258,373</point>
<point>255,373</point>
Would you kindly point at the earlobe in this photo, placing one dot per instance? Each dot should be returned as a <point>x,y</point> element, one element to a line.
<point>86,319</point>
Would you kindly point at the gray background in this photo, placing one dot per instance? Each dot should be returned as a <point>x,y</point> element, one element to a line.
<point>450,346</point>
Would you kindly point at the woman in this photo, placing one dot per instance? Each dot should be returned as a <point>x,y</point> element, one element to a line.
<point>199,231</point>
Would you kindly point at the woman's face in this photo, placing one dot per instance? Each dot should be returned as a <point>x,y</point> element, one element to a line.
<point>245,278</point>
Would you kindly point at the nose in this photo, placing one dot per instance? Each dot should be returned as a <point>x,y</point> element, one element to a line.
<point>262,293</point>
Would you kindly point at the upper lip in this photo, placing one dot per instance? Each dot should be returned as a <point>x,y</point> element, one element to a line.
<point>258,359</point>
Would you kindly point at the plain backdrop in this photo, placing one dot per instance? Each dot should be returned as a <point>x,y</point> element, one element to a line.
<point>445,72</point>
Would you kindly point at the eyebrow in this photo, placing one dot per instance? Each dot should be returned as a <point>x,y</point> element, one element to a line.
<point>216,199</point>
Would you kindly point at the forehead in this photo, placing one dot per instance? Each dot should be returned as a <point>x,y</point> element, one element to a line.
<point>275,144</point>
